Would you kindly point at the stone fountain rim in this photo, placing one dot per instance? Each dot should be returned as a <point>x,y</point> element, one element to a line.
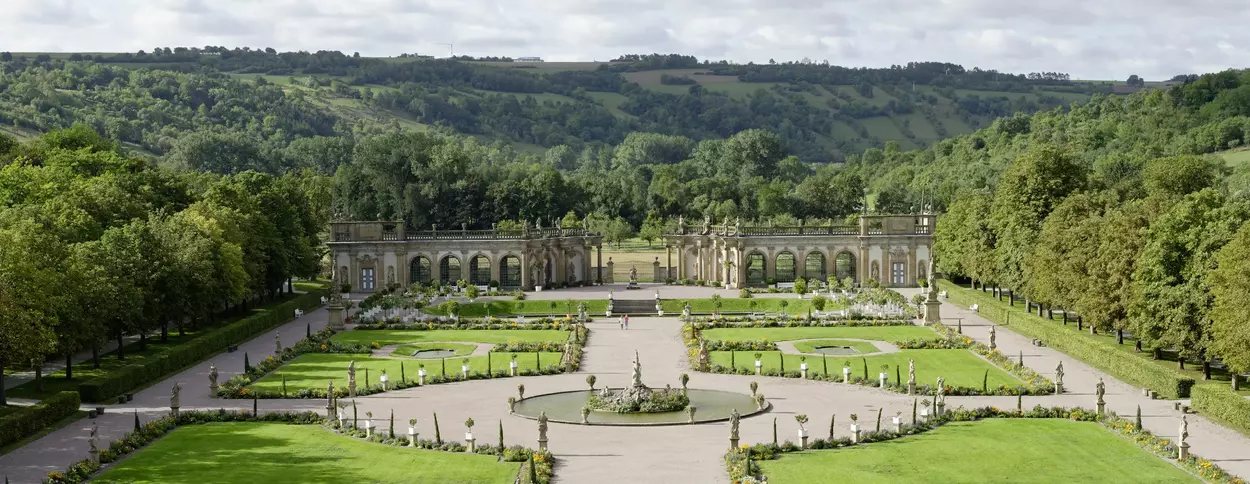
<point>768,406</point>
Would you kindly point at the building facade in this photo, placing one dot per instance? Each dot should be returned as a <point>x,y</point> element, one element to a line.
<point>372,255</point>
<point>893,250</point>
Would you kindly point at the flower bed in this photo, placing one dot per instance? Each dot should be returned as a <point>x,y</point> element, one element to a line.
<point>528,347</point>
<point>740,461</point>
<point>744,322</point>
<point>469,324</point>
<point>82,470</point>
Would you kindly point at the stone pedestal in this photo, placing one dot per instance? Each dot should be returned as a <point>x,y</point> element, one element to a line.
<point>759,367</point>
<point>1102,409</point>
<point>335,318</point>
<point>1058,387</point>
<point>911,387</point>
<point>941,408</point>
<point>804,438</point>
<point>883,378</point>
<point>464,371</point>
<point>733,442</point>
<point>351,388</point>
<point>368,428</point>
<point>212,391</point>
<point>512,368</point>
<point>803,372</point>
<point>95,456</point>
<point>846,375</point>
<point>855,433</point>
<point>472,442</point>
<point>932,312</point>
<point>173,412</point>
<point>542,443</point>
<point>412,436</point>
<point>898,424</point>
<point>421,377</point>
<point>330,412</point>
<point>1183,452</point>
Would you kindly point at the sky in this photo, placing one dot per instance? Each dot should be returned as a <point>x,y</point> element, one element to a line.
<point>1102,40</point>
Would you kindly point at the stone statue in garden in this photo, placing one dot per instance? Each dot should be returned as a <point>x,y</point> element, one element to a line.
<point>277,343</point>
<point>911,369</point>
<point>1059,373</point>
<point>173,399</point>
<point>636,375</point>
<point>93,436</point>
<point>542,426</point>
<point>993,338</point>
<point>330,391</point>
<point>681,224</point>
<point>733,424</point>
<point>1100,389</point>
<point>212,376</point>
<point>351,371</point>
<point>704,360</point>
<point>538,224</point>
<point>707,225</point>
<point>633,274</point>
<point>940,397</point>
<point>1184,433</point>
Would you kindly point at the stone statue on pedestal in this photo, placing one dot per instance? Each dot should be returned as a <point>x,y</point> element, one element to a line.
<point>911,369</point>
<point>1059,373</point>
<point>707,225</point>
<point>733,424</point>
<point>277,343</point>
<point>993,338</point>
<point>681,224</point>
<point>542,427</point>
<point>212,377</point>
<point>92,437</point>
<point>1100,389</point>
<point>633,274</point>
<point>351,379</point>
<point>173,399</point>
<point>636,375</point>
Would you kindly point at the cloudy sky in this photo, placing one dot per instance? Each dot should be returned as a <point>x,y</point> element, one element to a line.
<point>1106,39</point>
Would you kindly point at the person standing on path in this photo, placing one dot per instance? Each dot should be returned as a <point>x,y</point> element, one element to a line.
<point>621,321</point>
<point>626,321</point>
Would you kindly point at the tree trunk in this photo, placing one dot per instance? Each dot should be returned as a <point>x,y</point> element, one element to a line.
<point>1236,381</point>
<point>1206,365</point>
<point>1155,353</point>
<point>69,365</point>
<point>143,340</point>
<point>1050,313</point>
<point>3,401</point>
<point>39,375</point>
<point>95,355</point>
<point>1011,298</point>
<point>1079,325</point>
<point>121,348</point>
<point>1137,346</point>
<point>1180,361</point>
<point>1119,336</point>
<point>1065,317</point>
<point>165,331</point>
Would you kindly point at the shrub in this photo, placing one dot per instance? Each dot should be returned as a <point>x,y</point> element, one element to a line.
<point>192,352</point>
<point>744,294</point>
<point>818,302</point>
<point>800,286</point>
<point>29,420</point>
<point>1135,370</point>
<point>1221,402</point>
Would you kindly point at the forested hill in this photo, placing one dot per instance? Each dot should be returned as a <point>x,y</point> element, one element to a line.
<point>821,112</point>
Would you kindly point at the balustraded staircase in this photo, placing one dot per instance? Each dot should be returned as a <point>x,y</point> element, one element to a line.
<point>633,307</point>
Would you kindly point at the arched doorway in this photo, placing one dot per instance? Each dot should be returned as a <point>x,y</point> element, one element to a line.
<point>510,272</point>
<point>785,267</point>
<point>755,269</point>
<point>449,270</point>
<point>814,267</point>
<point>479,271</point>
<point>844,266</point>
<point>419,270</point>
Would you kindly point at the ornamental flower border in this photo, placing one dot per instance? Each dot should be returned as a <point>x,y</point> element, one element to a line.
<point>135,440</point>
<point>1035,384</point>
<point>749,322</point>
<point>319,342</point>
<point>736,460</point>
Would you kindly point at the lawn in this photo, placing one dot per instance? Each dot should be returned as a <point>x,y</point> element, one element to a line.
<point>875,333</point>
<point>390,337</point>
<point>810,346</point>
<point>992,450</point>
<point>460,348</point>
<point>314,370</point>
<point>960,368</point>
<point>268,452</point>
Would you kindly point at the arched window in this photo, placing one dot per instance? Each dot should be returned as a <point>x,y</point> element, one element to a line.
<point>755,268</point>
<point>785,267</point>
<point>510,272</point>
<point>814,266</point>
<point>449,270</point>
<point>844,266</point>
<point>479,271</point>
<point>419,270</point>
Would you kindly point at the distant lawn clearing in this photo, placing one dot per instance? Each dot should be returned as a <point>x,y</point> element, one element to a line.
<point>960,368</point>
<point>875,333</point>
<point>269,452</point>
<point>991,450</point>
<point>390,337</point>
<point>314,370</point>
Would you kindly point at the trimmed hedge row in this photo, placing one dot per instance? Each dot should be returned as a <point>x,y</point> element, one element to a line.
<point>1130,368</point>
<point>22,423</point>
<point>1225,405</point>
<point>192,352</point>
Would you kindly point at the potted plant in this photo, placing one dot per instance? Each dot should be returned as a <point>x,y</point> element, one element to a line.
<point>772,282</point>
<point>924,409</point>
<point>846,371</point>
<point>884,375</point>
<point>468,434</point>
<point>759,364</point>
<point>801,419</point>
<point>754,386</point>
<point>854,423</point>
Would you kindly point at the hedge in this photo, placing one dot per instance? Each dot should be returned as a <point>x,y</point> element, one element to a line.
<point>1125,366</point>
<point>1224,405</point>
<point>27,421</point>
<point>192,352</point>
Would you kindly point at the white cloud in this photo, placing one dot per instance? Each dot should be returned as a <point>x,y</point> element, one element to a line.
<point>1097,40</point>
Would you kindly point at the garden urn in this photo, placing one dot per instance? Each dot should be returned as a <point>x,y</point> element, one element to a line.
<point>846,374</point>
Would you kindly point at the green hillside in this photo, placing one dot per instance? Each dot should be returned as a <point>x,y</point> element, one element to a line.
<point>822,113</point>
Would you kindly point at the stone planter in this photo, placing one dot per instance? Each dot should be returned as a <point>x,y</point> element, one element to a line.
<point>512,368</point>
<point>759,367</point>
<point>883,377</point>
<point>855,433</point>
<point>803,370</point>
<point>846,375</point>
<point>803,437</point>
<point>412,436</point>
<point>421,376</point>
<point>464,371</point>
<point>924,413</point>
<point>898,423</point>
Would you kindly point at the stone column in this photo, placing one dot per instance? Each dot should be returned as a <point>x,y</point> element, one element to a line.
<point>526,283</point>
<point>681,261</point>
<point>496,267</point>
<point>599,267</point>
<point>911,264</point>
<point>436,268</point>
<point>668,269</point>
<point>864,262</point>
<point>698,273</point>
<point>800,263</point>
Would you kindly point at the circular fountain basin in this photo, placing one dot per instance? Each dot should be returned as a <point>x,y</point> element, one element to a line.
<point>434,353</point>
<point>836,350</point>
<point>710,406</point>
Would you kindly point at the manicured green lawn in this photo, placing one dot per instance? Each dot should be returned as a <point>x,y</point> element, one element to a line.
<point>989,451</point>
<point>273,453</point>
<point>959,367</point>
<point>314,370</point>
<point>810,346</point>
<point>876,333</point>
<point>390,337</point>
<point>460,348</point>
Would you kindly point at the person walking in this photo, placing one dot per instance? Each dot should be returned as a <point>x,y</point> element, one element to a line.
<point>621,321</point>
<point>626,321</point>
